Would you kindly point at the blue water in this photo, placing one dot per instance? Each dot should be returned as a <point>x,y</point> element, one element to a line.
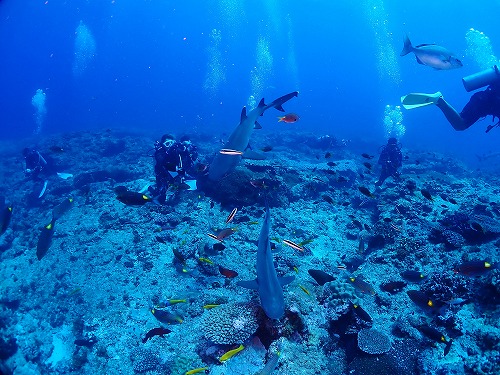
<point>152,59</point>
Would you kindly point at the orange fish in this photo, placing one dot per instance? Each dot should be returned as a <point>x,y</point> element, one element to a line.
<point>289,118</point>
<point>227,272</point>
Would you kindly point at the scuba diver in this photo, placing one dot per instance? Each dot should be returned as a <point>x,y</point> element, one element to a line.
<point>481,104</point>
<point>390,159</point>
<point>173,162</point>
<point>35,164</point>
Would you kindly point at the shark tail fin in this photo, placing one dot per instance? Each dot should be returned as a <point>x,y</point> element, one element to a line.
<point>407,48</point>
<point>278,103</point>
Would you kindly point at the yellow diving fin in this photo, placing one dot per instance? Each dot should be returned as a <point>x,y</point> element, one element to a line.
<point>416,100</point>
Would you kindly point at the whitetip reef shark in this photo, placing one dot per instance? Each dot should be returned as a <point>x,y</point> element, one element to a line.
<point>240,137</point>
<point>268,284</point>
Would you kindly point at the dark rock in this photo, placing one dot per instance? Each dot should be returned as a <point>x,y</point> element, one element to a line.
<point>8,347</point>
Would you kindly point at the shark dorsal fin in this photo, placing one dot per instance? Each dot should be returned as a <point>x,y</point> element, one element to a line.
<point>257,125</point>
<point>261,103</point>
<point>243,114</point>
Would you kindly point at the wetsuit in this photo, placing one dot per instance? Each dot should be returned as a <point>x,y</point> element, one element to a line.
<point>35,163</point>
<point>172,162</point>
<point>482,104</point>
<point>390,159</point>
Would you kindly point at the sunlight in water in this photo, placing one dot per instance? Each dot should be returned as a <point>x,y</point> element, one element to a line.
<point>215,76</point>
<point>84,49</point>
<point>291,60</point>
<point>231,13</point>
<point>387,62</point>
<point>261,72</point>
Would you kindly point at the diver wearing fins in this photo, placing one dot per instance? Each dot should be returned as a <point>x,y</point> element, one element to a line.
<point>173,162</point>
<point>481,104</point>
<point>390,160</point>
<point>35,164</point>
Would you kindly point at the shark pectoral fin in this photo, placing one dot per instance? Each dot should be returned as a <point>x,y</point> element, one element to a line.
<point>419,61</point>
<point>243,114</point>
<point>252,155</point>
<point>285,280</point>
<point>257,125</point>
<point>249,284</point>
<point>280,108</point>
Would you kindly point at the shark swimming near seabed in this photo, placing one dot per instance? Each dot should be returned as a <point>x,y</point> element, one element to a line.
<point>240,137</point>
<point>268,284</point>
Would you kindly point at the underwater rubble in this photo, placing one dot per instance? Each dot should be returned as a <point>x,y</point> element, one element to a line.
<point>152,289</point>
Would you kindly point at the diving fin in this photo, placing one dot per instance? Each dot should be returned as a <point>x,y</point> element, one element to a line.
<point>416,100</point>
<point>64,176</point>
<point>191,184</point>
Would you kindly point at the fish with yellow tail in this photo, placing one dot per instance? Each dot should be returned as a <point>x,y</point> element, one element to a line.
<point>231,353</point>
<point>196,371</point>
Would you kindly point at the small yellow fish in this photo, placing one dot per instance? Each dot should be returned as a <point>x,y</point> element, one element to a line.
<point>74,291</point>
<point>305,242</point>
<point>295,269</point>
<point>253,222</point>
<point>205,260</point>
<point>174,301</point>
<point>305,290</point>
<point>210,306</point>
<point>196,370</point>
<point>231,353</point>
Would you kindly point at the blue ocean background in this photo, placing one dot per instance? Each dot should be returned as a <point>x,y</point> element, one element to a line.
<point>153,59</point>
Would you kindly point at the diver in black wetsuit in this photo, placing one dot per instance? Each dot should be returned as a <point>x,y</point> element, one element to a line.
<point>173,162</point>
<point>35,164</point>
<point>481,104</point>
<point>391,160</point>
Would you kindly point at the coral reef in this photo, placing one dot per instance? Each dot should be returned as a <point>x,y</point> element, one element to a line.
<point>87,305</point>
<point>372,341</point>
<point>230,324</point>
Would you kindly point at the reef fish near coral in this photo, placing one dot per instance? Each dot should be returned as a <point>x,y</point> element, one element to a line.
<point>5,217</point>
<point>289,118</point>
<point>241,136</point>
<point>160,331</point>
<point>268,284</point>
<point>45,240</point>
